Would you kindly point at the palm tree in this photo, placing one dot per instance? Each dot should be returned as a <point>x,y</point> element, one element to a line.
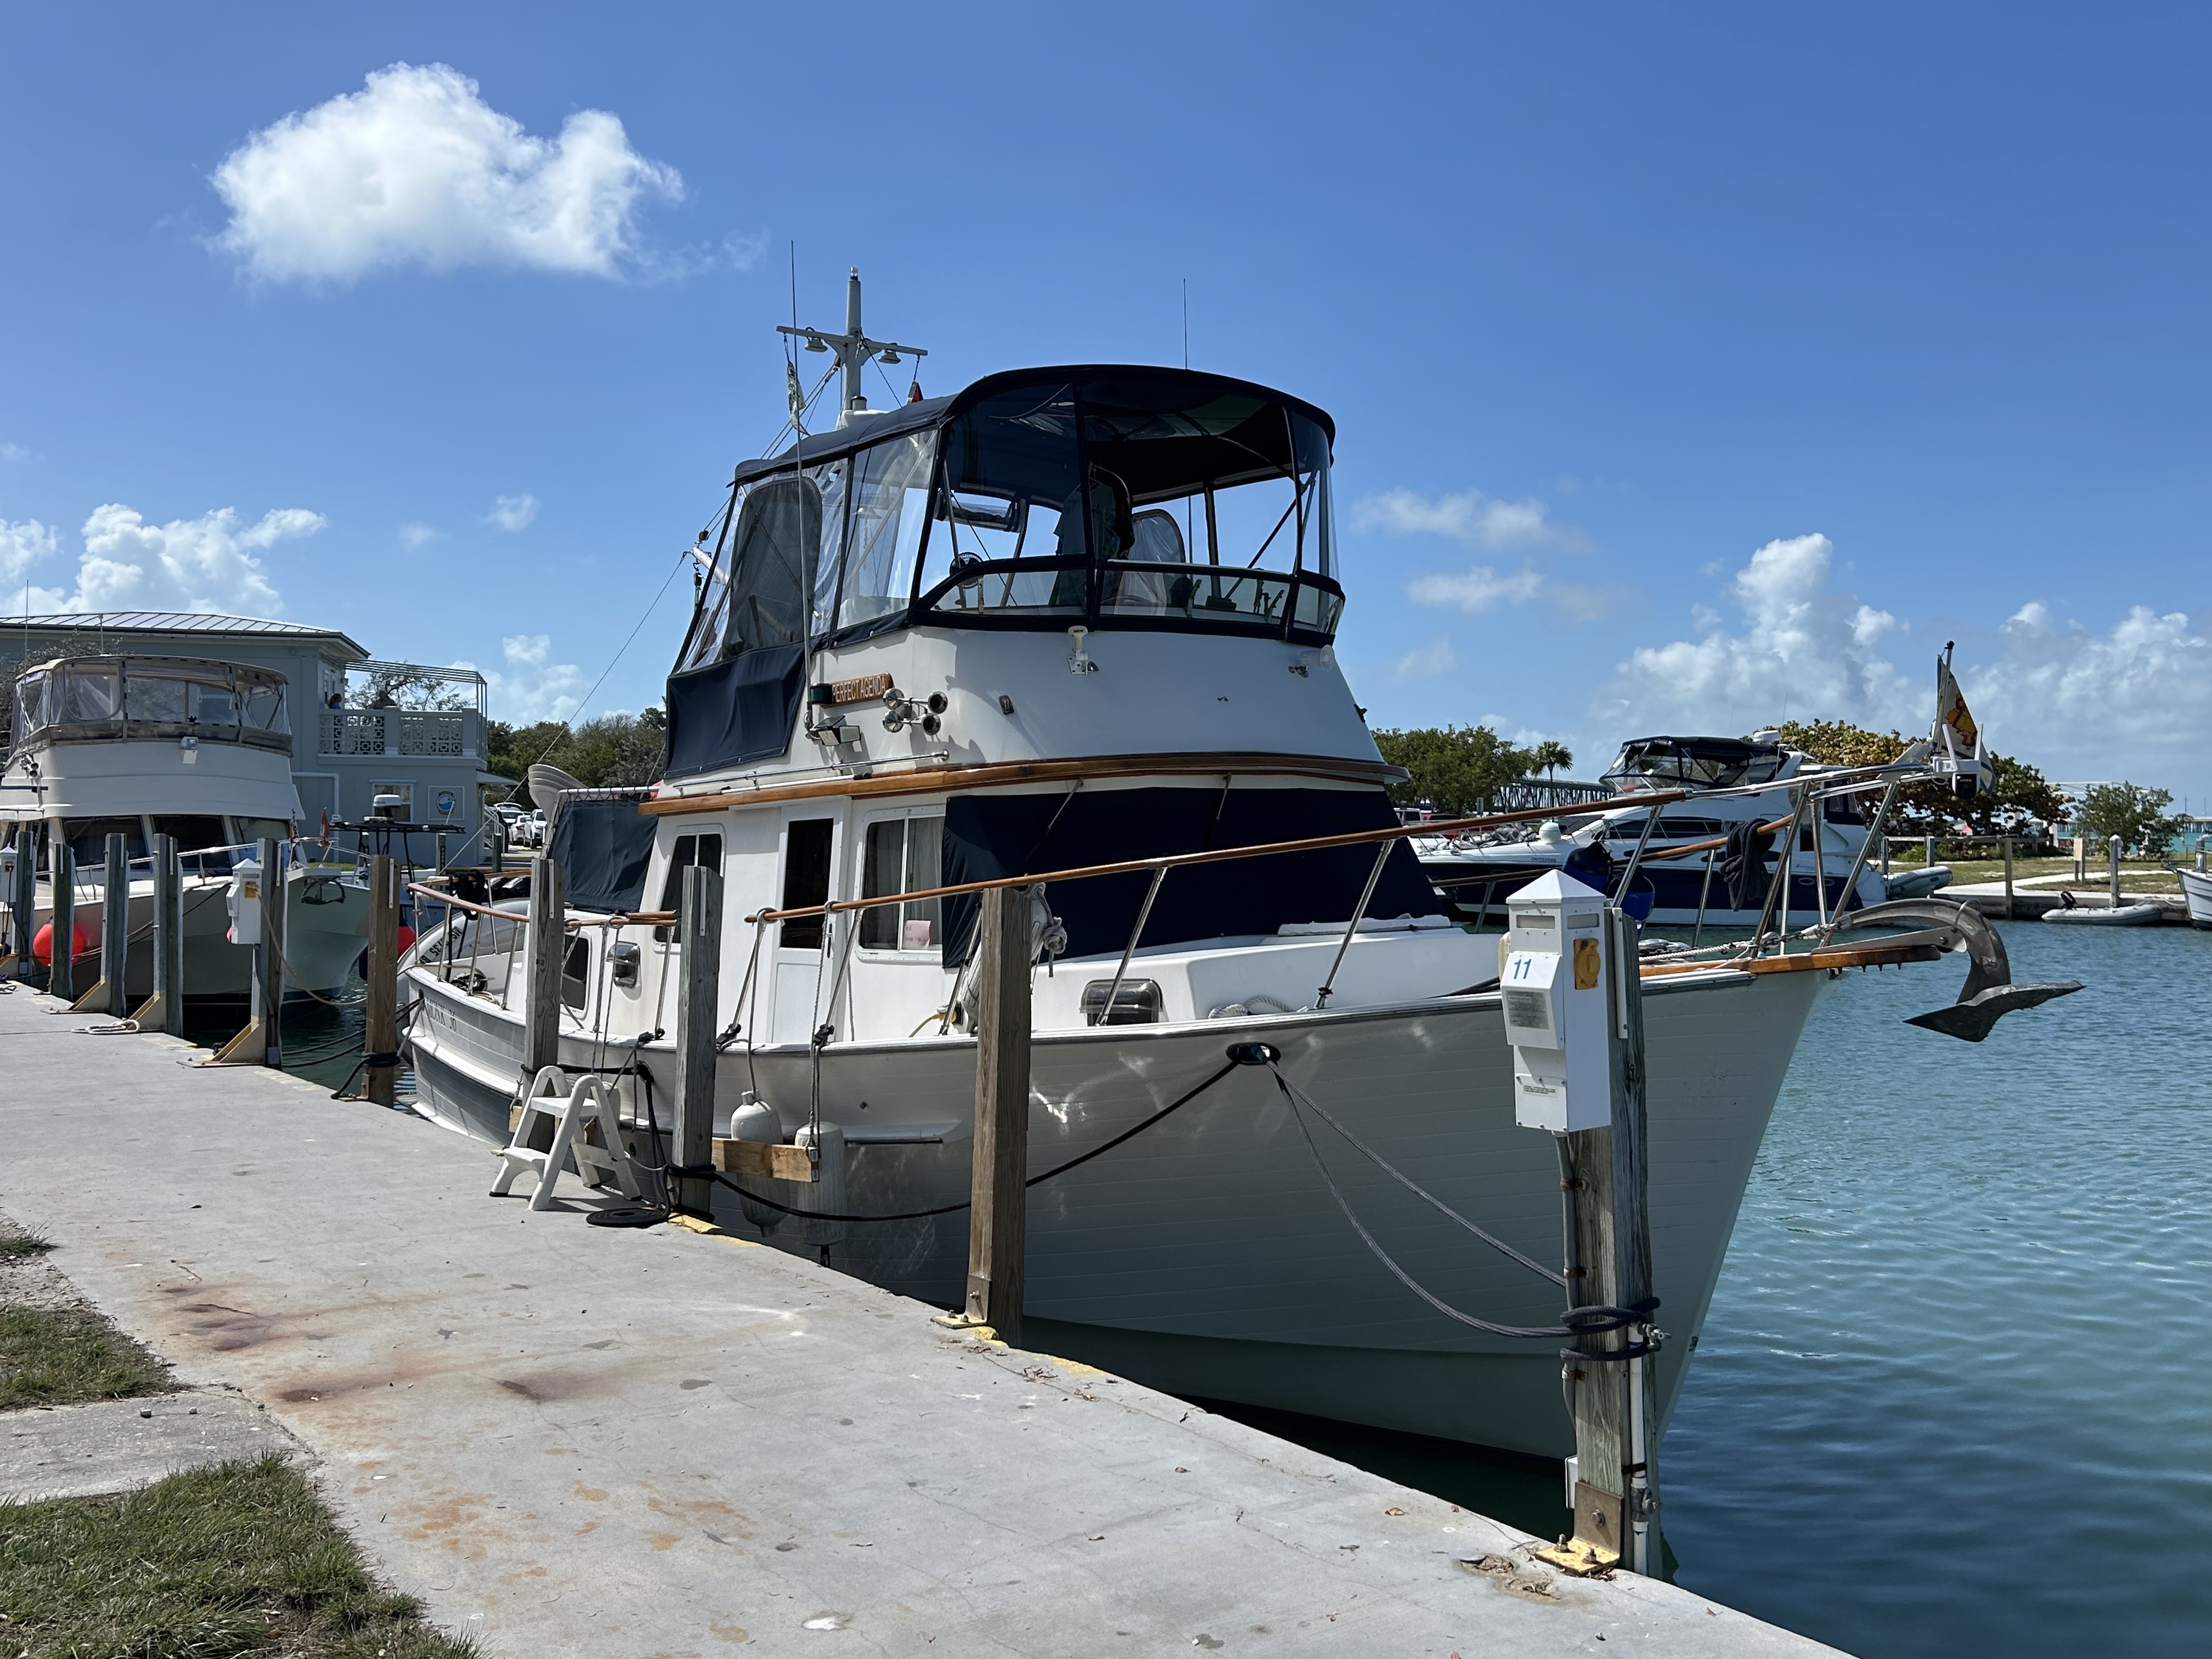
<point>1551,755</point>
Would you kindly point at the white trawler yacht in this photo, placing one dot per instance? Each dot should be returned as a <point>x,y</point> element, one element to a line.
<point>200,751</point>
<point>1066,616</point>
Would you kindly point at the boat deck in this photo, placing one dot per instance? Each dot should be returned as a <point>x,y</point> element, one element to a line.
<point>544,1428</point>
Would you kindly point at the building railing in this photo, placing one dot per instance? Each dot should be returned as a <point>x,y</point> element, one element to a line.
<point>396,732</point>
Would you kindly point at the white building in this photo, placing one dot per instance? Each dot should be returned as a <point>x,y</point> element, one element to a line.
<point>346,750</point>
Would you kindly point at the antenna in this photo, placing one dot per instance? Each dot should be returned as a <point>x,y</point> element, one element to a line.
<point>853,348</point>
<point>1185,322</point>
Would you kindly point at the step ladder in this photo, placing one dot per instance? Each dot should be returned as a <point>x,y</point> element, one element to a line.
<point>572,1110</point>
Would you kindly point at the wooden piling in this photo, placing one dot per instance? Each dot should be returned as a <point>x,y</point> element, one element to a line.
<point>105,995</point>
<point>998,1216</point>
<point>61,872</point>
<point>1616,1509</point>
<point>381,1038</point>
<point>115,924</point>
<point>269,960</point>
<point>548,938</point>
<point>25,899</point>
<point>2112,852</point>
<point>2008,861</point>
<point>699,934</point>
<point>165,1009</point>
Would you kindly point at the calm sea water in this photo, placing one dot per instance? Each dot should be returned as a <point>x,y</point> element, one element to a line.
<point>1955,1395</point>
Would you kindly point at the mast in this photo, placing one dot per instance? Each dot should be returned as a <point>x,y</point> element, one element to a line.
<point>853,349</point>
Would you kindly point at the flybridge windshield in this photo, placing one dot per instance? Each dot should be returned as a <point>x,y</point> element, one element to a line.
<point>1692,763</point>
<point>1134,498</point>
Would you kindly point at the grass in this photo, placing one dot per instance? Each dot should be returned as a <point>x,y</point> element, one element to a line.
<point>18,1247</point>
<point>237,1560</point>
<point>49,1358</point>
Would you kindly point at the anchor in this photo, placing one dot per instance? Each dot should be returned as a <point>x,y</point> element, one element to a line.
<point>1989,993</point>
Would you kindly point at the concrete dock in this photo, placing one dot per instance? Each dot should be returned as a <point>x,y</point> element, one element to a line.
<point>568,1439</point>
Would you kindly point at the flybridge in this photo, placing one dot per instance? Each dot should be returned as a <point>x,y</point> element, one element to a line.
<point>1102,495</point>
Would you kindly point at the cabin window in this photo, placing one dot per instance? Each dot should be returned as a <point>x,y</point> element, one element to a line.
<point>904,856</point>
<point>889,510</point>
<point>704,850</point>
<point>575,975</point>
<point>88,840</point>
<point>806,843</point>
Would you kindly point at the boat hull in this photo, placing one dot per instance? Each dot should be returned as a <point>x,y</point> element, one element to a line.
<point>1206,1256</point>
<point>2196,888</point>
<point>326,927</point>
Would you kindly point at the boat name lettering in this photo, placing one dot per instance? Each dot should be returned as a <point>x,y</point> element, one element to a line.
<point>866,689</point>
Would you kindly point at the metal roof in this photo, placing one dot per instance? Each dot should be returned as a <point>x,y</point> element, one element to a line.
<point>174,622</point>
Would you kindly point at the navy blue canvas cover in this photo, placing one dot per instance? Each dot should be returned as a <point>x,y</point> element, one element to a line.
<point>987,836</point>
<point>603,845</point>
<point>741,709</point>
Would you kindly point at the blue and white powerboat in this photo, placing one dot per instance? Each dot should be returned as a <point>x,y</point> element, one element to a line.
<point>1723,779</point>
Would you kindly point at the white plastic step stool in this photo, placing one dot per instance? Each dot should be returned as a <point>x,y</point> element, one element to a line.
<point>570,1108</point>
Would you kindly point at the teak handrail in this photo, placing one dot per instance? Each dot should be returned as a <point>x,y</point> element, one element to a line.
<point>1214,855</point>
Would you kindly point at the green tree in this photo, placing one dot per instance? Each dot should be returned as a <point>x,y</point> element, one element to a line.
<point>1455,769</point>
<point>2020,795</point>
<point>1549,755</point>
<point>615,751</point>
<point>2133,817</point>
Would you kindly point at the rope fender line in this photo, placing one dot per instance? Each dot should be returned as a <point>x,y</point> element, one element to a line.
<point>1130,1134</point>
<point>1592,1320</point>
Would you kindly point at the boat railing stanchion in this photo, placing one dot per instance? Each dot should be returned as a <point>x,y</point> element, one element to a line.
<point>1818,816</point>
<point>1144,914</point>
<point>698,991</point>
<point>1876,828</point>
<point>1704,892</point>
<point>1366,893</point>
<point>380,1033</point>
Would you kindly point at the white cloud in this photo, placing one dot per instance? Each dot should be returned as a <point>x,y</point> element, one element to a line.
<point>14,452</point>
<point>207,563</point>
<point>23,544</point>
<point>1422,661</point>
<point>513,512</point>
<point>1804,652</point>
<point>1469,516</point>
<point>414,535</point>
<point>1475,590</point>
<point>533,686</point>
<point>2099,705</point>
<point>416,168</point>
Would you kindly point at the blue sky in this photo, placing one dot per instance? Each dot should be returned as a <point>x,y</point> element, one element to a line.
<point>1691,369</point>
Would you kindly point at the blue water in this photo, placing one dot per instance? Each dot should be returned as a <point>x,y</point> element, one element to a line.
<point>1955,1392</point>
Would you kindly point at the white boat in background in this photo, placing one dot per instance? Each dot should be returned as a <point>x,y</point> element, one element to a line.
<point>199,751</point>
<point>2105,915</point>
<point>1721,778</point>
<point>1066,617</point>
<point>2196,888</point>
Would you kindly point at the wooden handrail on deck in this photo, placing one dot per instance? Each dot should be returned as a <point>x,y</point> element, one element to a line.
<point>1213,855</point>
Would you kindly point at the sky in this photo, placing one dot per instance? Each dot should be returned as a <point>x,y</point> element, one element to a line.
<point>1692,368</point>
